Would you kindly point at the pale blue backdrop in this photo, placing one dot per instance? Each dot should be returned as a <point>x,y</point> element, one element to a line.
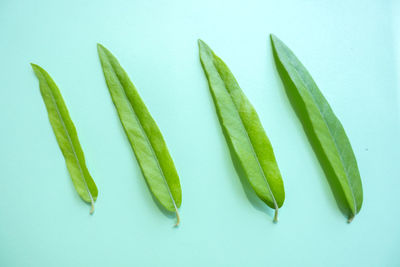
<point>350,49</point>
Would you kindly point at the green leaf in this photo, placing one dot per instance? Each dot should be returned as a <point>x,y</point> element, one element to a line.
<point>243,131</point>
<point>143,134</point>
<point>67,137</point>
<point>324,130</point>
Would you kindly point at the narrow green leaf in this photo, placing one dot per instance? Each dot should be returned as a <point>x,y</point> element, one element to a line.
<point>324,130</point>
<point>143,134</point>
<point>67,137</point>
<point>243,130</point>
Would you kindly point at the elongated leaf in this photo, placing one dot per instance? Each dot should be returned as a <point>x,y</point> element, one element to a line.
<point>66,136</point>
<point>324,130</point>
<point>143,134</point>
<point>243,130</point>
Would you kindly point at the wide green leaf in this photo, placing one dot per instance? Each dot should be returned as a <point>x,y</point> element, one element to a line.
<point>243,131</point>
<point>143,133</point>
<point>324,130</point>
<point>66,136</point>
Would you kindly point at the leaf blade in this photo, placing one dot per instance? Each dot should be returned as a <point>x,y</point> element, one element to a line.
<point>143,134</point>
<point>243,130</point>
<point>324,130</point>
<point>66,136</point>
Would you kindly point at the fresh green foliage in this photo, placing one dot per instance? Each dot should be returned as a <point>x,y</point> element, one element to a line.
<point>66,136</point>
<point>143,134</point>
<point>324,130</point>
<point>243,130</point>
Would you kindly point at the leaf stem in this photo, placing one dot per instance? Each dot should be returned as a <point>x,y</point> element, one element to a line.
<point>350,218</point>
<point>92,204</point>
<point>276,216</point>
<point>178,218</point>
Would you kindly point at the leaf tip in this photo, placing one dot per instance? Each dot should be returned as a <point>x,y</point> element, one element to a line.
<point>37,69</point>
<point>273,38</point>
<point>99,46</point>
<point>201,43</point>
<point>34,66</point>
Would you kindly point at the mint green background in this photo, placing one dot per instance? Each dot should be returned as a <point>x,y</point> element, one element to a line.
<point>348,46</point>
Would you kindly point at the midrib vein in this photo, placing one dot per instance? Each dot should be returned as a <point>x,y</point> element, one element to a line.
<point>145,137</point>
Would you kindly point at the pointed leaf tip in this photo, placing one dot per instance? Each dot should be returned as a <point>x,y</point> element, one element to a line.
<point>274,39</point>
<point>34,66</point>
<point>37,69</point>
<point>203,44</point>
<point>99,46</point>
<point>200,42</point>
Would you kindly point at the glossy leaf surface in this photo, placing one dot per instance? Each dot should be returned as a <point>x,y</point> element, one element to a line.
<point>66,136</point>
<point>243,130</point>
<point>143,133</point>
<point>324,130</point>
